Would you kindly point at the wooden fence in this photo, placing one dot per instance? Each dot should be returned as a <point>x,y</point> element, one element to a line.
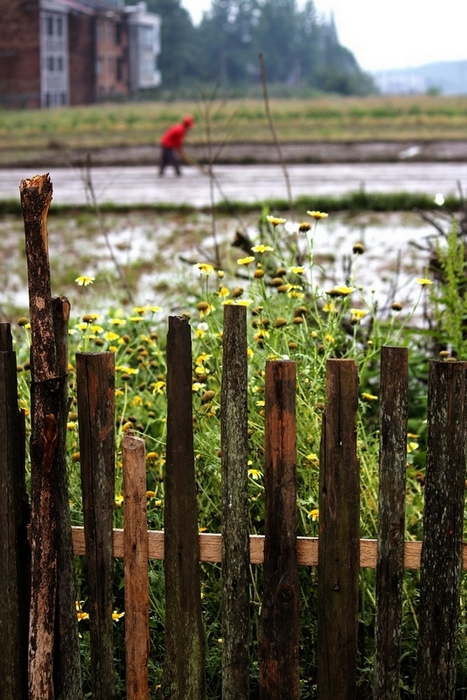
<point>39,645</point>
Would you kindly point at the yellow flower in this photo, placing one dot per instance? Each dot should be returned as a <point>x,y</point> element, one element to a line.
<point>205,268</point>
<point>201,359</point>
<point>423,281</point>
<point>313,458</point>
<point>154,309</point>
<point>369,397</point>
<point>275,220</point>
<point>297,270</point>
<point>412,446</point>
<point>116,615</point>
<point>330,308</point>
<point>317,215</point>
<point>126,370</point>
<point>314,514</point>
<point>84,280</point>
<point>158,387</point>
<point>254,473</point>
<point>223,291</point>
<point>262,249</point>
<point>341,291</point>
<point>237,302</point>
<point>246,261</point>
<point>118,500</point>
<point>117,321</point>
<point>358,313</point>
<point>196,386</point>
<point>110,335</point>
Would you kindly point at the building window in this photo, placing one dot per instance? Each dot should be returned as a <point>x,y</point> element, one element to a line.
<point>147,37</point>
<point>99,65</point>
<point>59,26</point>
<point>60,64</point>
<point>118,34</point>
<point>119,69</point>
<point>49,25</point>
<point>49,62</point>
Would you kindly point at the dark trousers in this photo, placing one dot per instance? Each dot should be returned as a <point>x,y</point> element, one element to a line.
<point>169,157</point>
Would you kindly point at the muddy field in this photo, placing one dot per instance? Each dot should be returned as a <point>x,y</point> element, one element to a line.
<point>246,152</point>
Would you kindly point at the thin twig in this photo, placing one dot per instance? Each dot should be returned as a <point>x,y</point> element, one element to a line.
<point>273,131</point>
<point>90,189</point>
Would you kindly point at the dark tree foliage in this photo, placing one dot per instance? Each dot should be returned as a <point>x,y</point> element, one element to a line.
<point>179,59</point>
<point>301,50</point>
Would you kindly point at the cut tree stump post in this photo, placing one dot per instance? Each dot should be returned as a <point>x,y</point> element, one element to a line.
<point>339,536</point>
<point>235,540</point>
<point>136,556</point>
<point>54,661</point>
<point>14,547</point>
<point>95,379</point>
<point>184,665</point>
<point>278,641</point>
<point>443,518</point>
<point>391,521</point>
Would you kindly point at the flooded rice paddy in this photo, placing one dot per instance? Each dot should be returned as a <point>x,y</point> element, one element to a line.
<point>157,255</point>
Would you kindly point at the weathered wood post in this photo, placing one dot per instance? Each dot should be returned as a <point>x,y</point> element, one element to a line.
<point>441,562</point>
<point>278,642</point>
<point>136,556</point>
<point>391,521</point>
<point>14,547</point>
<point>54,660</point>
<point>184,665</point>
<point>235,540</point>
<point>95,379</point>
<point>339,536</point>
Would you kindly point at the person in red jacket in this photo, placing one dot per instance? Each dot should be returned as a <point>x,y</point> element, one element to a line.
<point>172,145</point>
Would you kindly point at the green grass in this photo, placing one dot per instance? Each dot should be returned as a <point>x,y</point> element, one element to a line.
<point>303,321</point>
<point>324,118</point>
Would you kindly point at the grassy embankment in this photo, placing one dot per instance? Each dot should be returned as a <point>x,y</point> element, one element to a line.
<point>326,118</point>
<point>36,133</point>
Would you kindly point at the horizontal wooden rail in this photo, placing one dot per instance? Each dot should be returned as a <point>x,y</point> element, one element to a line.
<point>210,547</point>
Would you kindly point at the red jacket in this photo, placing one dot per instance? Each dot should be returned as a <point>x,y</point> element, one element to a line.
<point>173,137</point>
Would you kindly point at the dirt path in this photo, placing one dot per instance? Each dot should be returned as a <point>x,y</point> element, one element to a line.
<point>238,153</point>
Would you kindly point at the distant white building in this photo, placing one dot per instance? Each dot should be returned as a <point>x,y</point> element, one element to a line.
<point>395,83</point>
<point>144,47</point>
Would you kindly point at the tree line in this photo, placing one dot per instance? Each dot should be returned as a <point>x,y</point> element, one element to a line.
<point>301,49</point>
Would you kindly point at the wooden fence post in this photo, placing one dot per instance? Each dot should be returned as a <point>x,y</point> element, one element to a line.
<point>278,643</point>
<point>339,536</point>
<point>391,521</point>
<point>441,562</point>
<point>136,556</point>
<point>14,548</point>
<point>54,663</point>
<point>235,540</point>
<point>95,378</point>
<point>184,666</point>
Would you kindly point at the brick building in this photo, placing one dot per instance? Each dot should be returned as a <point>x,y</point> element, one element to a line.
<point>72,52</point>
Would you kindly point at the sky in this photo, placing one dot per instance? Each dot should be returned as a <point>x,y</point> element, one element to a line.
<point>389,34</point>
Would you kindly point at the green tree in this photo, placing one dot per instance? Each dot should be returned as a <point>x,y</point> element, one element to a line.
<point>179,59</point>
<point>226,34</point>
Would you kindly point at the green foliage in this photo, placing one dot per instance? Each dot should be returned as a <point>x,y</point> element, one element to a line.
<point>449,295</point>
<point>300,48</point>
<point>291,313</point>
